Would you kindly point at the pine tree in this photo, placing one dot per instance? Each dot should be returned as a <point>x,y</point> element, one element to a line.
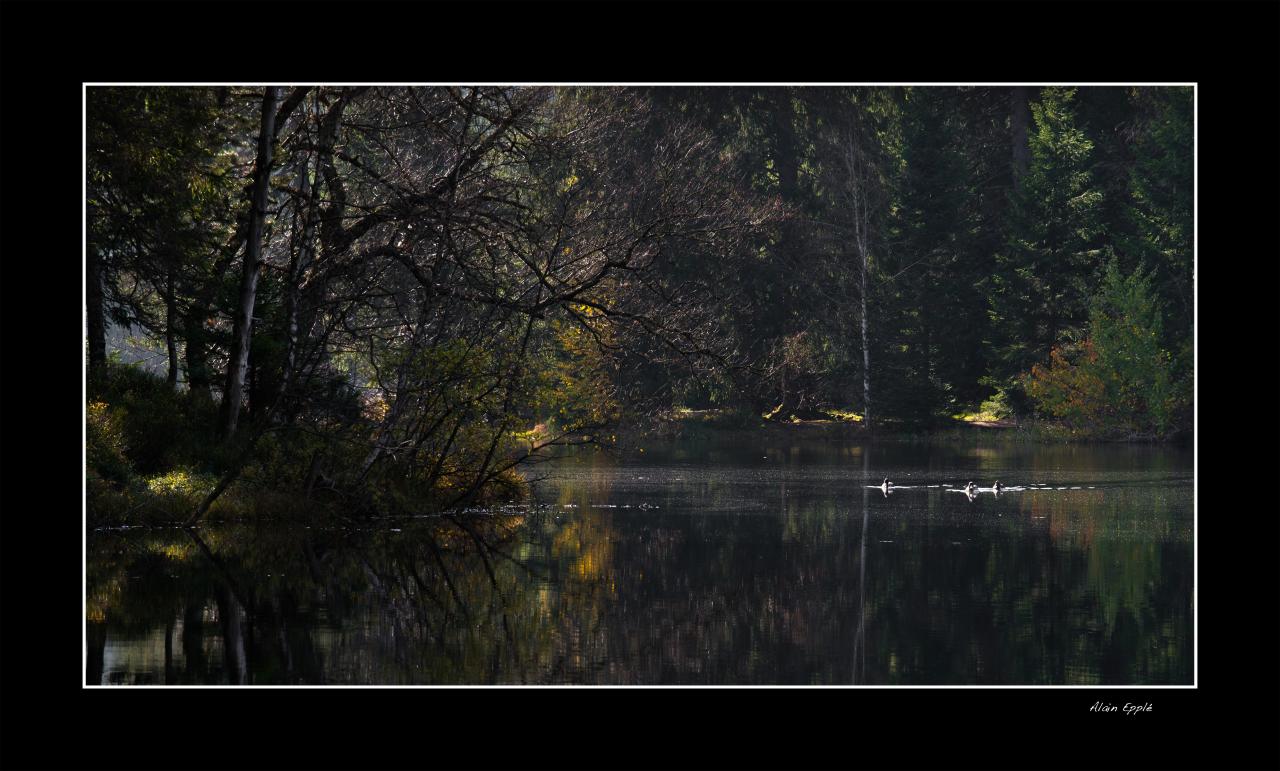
<point>939,265</point>
<point>1161,206</point>
<point>1053,252</point>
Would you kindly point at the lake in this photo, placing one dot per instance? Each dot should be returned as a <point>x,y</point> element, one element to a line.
<point>700,563</point>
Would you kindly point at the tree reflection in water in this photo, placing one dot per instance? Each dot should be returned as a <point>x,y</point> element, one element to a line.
<point>1031,587</point>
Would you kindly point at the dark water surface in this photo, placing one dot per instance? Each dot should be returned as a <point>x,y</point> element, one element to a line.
<point>691,564</point>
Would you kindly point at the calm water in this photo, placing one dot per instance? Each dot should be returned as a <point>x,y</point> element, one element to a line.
<point>691,564</point>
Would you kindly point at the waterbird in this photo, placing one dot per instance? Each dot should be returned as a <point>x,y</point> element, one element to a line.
<point>997,486</point>
<point>886,484</point>
<point>970,487</point>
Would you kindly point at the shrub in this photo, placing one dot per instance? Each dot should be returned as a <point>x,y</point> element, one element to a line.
<point>1070,388</point>
<point>179,491</point>
<point>161,428</point>
<point>1119,379</point>
<point>105,443</point>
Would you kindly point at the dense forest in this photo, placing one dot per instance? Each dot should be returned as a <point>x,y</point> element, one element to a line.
<point>391,297</point>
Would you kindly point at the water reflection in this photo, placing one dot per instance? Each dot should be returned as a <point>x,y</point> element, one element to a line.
<point>779,568</point>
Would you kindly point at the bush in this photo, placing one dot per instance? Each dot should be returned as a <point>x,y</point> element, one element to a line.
<point>105,443</point>
<point>997,407</point>
<point>1119,379</point>
<point>160,428</point>
<point>1071,389</point>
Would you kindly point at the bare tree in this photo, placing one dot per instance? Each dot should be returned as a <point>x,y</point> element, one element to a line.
<point>446,242</point>
<point>241,332</point>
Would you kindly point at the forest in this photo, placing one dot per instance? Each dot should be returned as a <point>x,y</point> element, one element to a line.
<point>392,299</point>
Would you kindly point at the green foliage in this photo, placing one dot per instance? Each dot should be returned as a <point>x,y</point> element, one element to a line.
<point>1053,254</point>
<point>180,489</point>
<point>1160,210</point>
<point>1119,380</point>
<point>159,188</point>
<point>161,428</point>
<point>996,407</point>
<point>615,253</point>
<point>1127,329</point>
<point>105,443</point>
<point>574,385</point>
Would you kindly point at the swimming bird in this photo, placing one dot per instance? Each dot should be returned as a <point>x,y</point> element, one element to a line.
<point>970,487</point>
<point>997,486</point>
<point>886,484</point>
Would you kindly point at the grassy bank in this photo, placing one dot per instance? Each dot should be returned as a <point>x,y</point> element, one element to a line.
<point>842,425</point>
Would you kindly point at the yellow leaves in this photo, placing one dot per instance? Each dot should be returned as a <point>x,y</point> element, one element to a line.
<point>100,417</point>
<point>177,481</point>
<point>375,407</point>
<point>568,183</point>
<point>105,438</point>
<point>179,489</point>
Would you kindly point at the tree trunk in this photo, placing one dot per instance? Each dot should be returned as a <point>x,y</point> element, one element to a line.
<point>240,336</point>
<point>866,350</point>
<point>170,342</point>
<point>785,151</point>
<point>197,355</point>
<point>97,319</point>
<point>251,380</point>
<point>300,261</point>
<point>861,225</point>
<point>1019,122</point>
<point>786,163</point>
<point>857,183</point>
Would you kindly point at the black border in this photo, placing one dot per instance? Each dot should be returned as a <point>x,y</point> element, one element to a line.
<point>48,721</point>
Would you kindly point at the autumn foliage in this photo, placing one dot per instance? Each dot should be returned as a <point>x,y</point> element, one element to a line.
<point>1118,381</point>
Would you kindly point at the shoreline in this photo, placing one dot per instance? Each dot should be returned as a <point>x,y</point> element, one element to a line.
<point>707,424</point>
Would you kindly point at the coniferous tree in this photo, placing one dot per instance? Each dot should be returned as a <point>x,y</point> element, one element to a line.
<point>158,189</point>
<point>939,264</point>
<point>1053,252</point>
<point>1161,208</point>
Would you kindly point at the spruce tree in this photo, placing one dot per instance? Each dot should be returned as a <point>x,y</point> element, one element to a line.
<point>1053,250</point>
<point>1161,205</point>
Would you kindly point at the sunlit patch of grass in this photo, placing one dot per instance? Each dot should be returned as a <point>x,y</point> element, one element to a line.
<point>973,417</point>
<point>179,482</point>
<point>172,495</point>
<point>846,415</point>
